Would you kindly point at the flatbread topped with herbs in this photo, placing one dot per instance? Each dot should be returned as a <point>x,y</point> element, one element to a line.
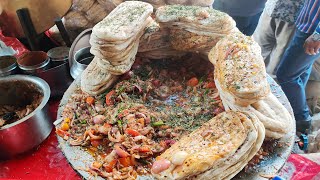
<point>123,22</point>
<point>213,149</point>
<point>240,69</point>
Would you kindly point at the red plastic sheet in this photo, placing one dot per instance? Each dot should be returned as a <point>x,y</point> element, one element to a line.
<point>298,167</point>
<point>44,162</point>
<point>14,43</point>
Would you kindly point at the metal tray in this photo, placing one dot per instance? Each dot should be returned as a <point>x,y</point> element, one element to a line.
<point>80,159</point>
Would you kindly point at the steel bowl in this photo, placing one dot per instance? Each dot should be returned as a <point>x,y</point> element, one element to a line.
<point>81,60</point>
<point>80,46</point>
<point>28,132</point>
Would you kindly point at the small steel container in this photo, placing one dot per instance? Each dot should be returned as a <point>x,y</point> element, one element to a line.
<point>59,54</point>
<point>34,62</point>
<point>8,65</point>
<point>79,55</point>
<point>28,132</point>
<point>81,60</point>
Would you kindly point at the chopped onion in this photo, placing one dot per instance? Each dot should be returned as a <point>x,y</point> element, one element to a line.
<point>160,165</point>
<point>179,157</point>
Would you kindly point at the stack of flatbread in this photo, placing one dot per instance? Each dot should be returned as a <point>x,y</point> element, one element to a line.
<point>219,149</point>
<point>241,79</point>
<point>156,3</point>
<point>195,28</point>
<point>155,43</point>
<point>239,69</point>
<point>95,79</point>
<point>205,3</point>
<point>115,42</point>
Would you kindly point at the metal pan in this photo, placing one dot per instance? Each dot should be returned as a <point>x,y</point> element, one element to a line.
<point>30,131</point>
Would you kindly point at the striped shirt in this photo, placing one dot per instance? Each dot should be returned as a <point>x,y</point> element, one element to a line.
<point>309,18</point>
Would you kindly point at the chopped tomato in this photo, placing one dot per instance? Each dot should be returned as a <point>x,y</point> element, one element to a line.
<point>65,126</point>
<point>109,100</point>
<point>193,82</point>
<point>218,110</point>
<point>90,100</point>
<point>144,149</point>
<point>96,164</point>
<point>163,144</point>
<point>156,83</point>
<point>110,166</point>
<point>122,153</point>
<point>210,85</point>
<point>95,143</point>
<point>107,125</point>
<point>132,132</point>
<point>62,133</point>
<point>141,121</point>
<point>133,161</point>
<point>125,162</point>
<point>229,51</point>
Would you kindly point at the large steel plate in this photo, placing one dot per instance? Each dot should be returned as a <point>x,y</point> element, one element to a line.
<point>270,166</point>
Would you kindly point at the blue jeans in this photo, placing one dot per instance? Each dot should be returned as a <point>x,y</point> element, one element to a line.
<point>247,25</point>
<point>293,74</point>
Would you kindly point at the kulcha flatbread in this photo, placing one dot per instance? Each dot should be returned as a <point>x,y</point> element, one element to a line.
<point>194,28</point>
<point>270,112</point>
<point>217,146</point>
<point>242,162</point>
<point>233,165</point>
<point>276,118</point>
<point>95,80</point>
<point>240,78</point>
<point>115,40</point>
<point>155,43</point>
<point>205,3</point>
<point>155,37</point>
<point>124,22</point>
<point>195,16</point>
<point>186,41</point>
<point>118,69</point>
<point>240,69</point>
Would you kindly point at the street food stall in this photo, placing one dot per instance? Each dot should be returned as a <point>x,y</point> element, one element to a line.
<point>140,90</point>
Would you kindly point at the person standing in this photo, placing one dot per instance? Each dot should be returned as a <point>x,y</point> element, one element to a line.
<point>246,13</point>
<point>275,29</point>
<point>296,64</point>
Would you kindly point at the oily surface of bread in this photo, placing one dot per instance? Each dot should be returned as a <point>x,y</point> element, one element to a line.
<point>210,145</point>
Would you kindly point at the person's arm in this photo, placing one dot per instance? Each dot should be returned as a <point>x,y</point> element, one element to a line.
<point>312,44</point>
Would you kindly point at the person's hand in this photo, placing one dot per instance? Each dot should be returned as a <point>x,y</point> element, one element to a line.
<point>312,44</point>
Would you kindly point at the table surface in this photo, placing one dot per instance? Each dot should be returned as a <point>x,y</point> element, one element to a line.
<point>44,162</point>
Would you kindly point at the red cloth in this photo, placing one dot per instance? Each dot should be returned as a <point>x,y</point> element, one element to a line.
<point>45,162</point>
<point>15,44</point>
